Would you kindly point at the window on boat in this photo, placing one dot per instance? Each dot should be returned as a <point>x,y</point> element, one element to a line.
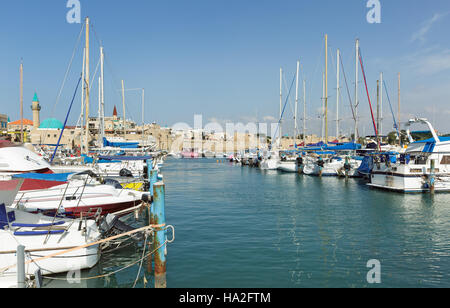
<point>445,160</point>
<point>421,160</point>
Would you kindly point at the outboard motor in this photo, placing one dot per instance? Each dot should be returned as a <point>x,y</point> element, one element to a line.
<point>321,163</point>
<point>145,172</point>
<point>111,225</point>
<point>126,173</point>
<point>299,161</point>
<point>113,183</point>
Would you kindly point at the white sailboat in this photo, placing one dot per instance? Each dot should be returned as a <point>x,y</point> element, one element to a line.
<point>290,164</point>
<point>42,236</point>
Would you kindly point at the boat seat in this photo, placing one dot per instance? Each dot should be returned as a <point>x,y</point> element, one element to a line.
<point>51,228</point>
<point>35,233</point>
<point>17,225</point>
<point>5,217</point>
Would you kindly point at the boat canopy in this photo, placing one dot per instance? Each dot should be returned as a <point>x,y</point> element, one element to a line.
<point>122,145</point>
<point>57,177</point>
<point>431,140</point>
<point>124,158</point>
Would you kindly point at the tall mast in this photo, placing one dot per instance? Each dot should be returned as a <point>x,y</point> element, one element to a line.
<point>323,108</point>
<point>296,105</point>
<point>356,90</point>
<point>143,112</point>
<point>338,92</point>
<point>281,103</point>
<point>124,114</point>
<point>102,96</point>
<point>378,111</point>
<point>326,88</point>
<point>82,101</point>
<point>100,111</point>
<point>21,103</point>
<point>399,118</point>
<point>87,74</point>
<point>304,112</point>
<point>380,127</point>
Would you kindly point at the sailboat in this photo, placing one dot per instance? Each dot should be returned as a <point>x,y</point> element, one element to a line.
<point>41,236</point>
<point>291,164</point>
<point>271,158</point>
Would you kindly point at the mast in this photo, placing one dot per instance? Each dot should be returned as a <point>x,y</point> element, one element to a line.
<point>378,111</point>
<point>380,127</point>
<point>356,90</point>
<point>326,88</point>
<point>281,104</point>
<point>102,97</point>
<point>87,88</point>
<point>82,100</point>
<point>338,92</point>
<point>323,107</point>
<point>296,105</point>
<point>21,103</point>
<point>143,111</point>
<point>124,115</point>
<point>399,119</point>
<point>304,112</point>
<point>100,110</point>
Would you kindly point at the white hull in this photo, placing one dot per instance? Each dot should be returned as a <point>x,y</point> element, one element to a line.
<point>400,178</point>
<point>269,164</point>
<point>37,247</point>
<point>288,166</point>
<point>75,198</point>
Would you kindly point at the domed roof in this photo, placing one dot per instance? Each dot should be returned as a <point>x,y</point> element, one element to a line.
<point>52,123</point>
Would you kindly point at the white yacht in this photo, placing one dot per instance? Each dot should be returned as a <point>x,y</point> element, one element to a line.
<point>424,166</point>
<point>16,159</point>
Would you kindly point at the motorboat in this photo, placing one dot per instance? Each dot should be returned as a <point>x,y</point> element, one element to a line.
<point>42,236</point>
<point>424,167</point>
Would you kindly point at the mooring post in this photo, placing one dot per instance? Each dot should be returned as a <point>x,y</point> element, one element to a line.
<point>150,175</point>
<point>346,167</point>
<point>153,179</point>
<point>21,267</point>
<point>159,241</point>
<point>432,175</point>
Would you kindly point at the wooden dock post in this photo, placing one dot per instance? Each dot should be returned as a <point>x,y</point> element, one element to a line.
<point>21,267</point>
<point>158,211</point>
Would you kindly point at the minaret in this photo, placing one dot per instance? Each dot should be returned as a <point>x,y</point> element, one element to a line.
<point>36,107</point>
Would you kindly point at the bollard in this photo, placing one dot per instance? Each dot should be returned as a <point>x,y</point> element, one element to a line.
<point>346,167</point>
<point>149,210</point>
<point>158,213</point>
<point>21,267</point>
<point>432,175</point>
<point>153,178</point>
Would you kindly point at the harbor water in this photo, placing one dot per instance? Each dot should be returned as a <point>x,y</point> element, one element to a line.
<point>239,227</point>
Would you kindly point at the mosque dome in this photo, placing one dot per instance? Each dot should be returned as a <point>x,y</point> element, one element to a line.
<point>51,123</point>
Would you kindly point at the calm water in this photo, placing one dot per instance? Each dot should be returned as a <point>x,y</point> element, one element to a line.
<point>242,227</point>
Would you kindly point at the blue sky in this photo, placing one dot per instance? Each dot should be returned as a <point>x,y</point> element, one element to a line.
<point>221,58</point>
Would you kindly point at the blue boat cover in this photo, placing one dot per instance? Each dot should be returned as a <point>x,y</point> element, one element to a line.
<point>431,140</point>
<point>366,166</point>
<point>90,160</point>
<point>124,158</point>
<point>5,217</point>
<point>122,145</point>
<point>57,177</point>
